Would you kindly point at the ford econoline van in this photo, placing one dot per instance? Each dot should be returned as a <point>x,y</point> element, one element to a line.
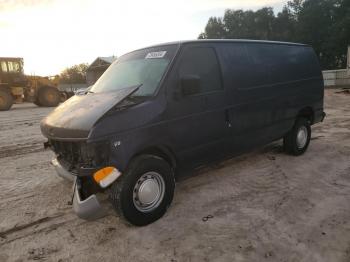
<point>175,105</point>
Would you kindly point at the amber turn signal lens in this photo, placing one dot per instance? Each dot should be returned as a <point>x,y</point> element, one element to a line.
<point>103,173</point>
<point>106,176</point>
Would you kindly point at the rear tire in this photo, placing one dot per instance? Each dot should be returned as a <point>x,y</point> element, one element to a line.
<point>48,96</point>
<point>297,140</point>
<point>144,192</point>
<point>6,100</point>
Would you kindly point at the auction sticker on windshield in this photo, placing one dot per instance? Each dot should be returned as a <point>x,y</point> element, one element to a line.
<point>159,54</point>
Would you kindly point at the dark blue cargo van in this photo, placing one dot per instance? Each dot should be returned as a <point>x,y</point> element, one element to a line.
<point>178,105</point>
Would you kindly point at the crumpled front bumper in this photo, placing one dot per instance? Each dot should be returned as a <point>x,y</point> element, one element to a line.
<point>61,171</point>
<point>89,208</point>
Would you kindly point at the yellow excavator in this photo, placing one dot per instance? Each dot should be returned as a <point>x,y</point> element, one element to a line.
<point>16,87</point>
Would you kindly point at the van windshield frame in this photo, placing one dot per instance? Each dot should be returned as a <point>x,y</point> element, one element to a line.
<point>145,68</point>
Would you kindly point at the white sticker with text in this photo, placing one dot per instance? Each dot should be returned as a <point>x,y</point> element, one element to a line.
<point>159,54</point>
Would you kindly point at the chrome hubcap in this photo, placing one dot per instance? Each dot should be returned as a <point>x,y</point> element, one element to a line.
<point>302,137</point>
<point>148,192</point>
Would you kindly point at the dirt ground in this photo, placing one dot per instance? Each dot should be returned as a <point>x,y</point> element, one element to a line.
<point>265,205</point>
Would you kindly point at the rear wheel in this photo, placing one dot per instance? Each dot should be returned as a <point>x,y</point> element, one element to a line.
<point>298,138</point>
<point>144,192</point>
<point>6,100</point>
<point>48,96</point>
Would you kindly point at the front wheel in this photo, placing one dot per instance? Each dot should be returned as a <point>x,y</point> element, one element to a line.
<point>144,192</point>
<point>298,138</point>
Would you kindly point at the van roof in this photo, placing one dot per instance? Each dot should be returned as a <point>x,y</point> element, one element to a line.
<point>181,42</point>
<point>228,41</point>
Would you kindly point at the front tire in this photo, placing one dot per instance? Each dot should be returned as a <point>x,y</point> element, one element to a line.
<point>297,140</point>
<point>144,192</point>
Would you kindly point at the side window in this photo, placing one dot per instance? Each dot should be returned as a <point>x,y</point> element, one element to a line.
<point>236,64</point>
<point>288,64</point>
<point>312,62</point>
<point>282,63</point>
<point>260,63</point>
<point>202,61</point>
<point>3,66</point>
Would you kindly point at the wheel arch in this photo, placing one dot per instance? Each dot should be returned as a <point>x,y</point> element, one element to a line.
<point>308,113</point>
<point>161,151</point>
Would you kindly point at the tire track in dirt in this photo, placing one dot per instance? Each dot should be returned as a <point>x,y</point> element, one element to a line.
<point>21,149</point>
<point>6,200</point>
<point>3,234</point>
<point>42,225</point>
<point>10,122</point>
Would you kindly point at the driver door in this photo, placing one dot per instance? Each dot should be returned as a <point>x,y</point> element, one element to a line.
<point>198,129</point>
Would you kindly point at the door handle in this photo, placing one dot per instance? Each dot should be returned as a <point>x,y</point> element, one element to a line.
<point>227,118</point>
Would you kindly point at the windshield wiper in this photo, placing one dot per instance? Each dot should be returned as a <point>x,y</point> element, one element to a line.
<point>129,99</point>
<point>137,87</point>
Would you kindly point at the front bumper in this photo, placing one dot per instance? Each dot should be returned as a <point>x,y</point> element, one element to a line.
<point>89,208</point>
<point>319,116</point>
<point>61,171</point>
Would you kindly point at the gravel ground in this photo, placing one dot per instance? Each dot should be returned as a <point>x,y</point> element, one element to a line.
<point>265,205</point>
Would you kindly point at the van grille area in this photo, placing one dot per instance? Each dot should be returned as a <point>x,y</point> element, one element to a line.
<point>80,154</point>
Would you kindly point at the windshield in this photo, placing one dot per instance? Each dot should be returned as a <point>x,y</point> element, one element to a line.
<point>144,68</point>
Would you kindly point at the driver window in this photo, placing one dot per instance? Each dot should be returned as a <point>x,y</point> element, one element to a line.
<point>202,62</point>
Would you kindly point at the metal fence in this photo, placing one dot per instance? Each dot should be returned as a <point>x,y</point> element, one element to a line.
<point>335,78</point>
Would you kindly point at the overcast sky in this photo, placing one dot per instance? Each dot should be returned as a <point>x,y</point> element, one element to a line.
<point>53,34</point>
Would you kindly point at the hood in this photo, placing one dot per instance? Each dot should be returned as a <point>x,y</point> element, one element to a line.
<point>74,118</point>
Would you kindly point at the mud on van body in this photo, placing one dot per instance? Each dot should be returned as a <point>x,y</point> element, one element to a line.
<point>180,104</point>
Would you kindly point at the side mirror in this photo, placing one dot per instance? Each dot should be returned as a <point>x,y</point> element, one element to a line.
<point>190,84</point>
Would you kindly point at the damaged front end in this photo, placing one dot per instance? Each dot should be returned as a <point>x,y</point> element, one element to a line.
<point>79,162</point>
<point>86,163</point>
<point>79,157</point>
